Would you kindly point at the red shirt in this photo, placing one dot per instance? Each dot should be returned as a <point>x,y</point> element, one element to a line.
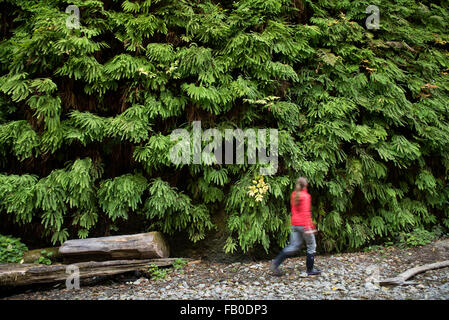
<point>301,213</point>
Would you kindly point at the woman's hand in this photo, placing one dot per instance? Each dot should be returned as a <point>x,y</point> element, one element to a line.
<point>311,231</point>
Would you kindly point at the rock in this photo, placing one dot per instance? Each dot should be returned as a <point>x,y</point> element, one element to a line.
<point>420,286</point>
<point>413,289</point>
<point>371,286</point>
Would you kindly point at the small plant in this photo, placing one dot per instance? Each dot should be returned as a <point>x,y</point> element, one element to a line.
<point>179,263</point>
<point>11,249</point>
<point>438,231</point>
<point>156,273</point>
<point>388,243</point>
<point>374,248</point>
<point>44,258</point>
<point>418,237</point>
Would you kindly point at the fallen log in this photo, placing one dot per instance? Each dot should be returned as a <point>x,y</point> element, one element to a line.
<point>149,245</point>
<point>13,275</point>
<point>402,278</point>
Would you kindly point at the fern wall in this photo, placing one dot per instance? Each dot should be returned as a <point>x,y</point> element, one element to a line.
<point>86,116</point>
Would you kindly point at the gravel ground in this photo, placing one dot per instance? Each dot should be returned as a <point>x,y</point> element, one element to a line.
<point>345,276</point>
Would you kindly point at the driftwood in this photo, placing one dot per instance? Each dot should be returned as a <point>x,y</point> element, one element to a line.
<point>137,246</point>
<point>402,278</point>
<point>24,274</point>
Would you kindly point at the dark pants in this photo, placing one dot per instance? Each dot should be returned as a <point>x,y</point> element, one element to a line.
<point>297,237</point>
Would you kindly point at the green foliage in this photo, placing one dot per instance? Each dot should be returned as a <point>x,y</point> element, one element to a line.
<point>254,221</point>
<point>44,258</point>
<point>156,273</point>
<point>11,249</point>
<point>117,195</point>
<point>416,238</point>
<point>86,116</point>
<point>173,211</point>
<point>179,264</point>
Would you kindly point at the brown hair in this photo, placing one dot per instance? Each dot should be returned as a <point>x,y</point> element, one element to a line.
<point>301,183</point>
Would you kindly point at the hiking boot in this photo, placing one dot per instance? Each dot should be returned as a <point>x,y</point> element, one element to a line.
<point>311,271</point>
<point>276,262</point>
<point>275,269</point>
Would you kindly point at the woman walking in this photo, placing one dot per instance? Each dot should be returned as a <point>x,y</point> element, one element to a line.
<point>303,229</point>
